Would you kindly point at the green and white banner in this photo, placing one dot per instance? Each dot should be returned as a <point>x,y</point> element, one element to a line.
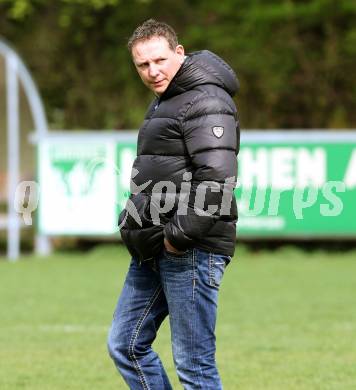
<point>289,184</point>
<point>78,187</point>
<point>298,187</point>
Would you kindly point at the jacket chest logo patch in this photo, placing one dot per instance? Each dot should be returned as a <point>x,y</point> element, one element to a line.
<point>218,131</point>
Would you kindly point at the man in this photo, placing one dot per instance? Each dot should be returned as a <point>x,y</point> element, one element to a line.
<point>180,221</point>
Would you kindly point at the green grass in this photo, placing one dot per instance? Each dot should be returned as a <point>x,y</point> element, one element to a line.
<point>287,320</point>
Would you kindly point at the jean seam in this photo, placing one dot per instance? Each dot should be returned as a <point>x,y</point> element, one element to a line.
<point>211,270</point>
<point>194,275</point>
<point>135,335</point>
<point>193,324</point>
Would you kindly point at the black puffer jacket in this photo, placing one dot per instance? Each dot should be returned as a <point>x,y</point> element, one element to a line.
<point>191,129</point>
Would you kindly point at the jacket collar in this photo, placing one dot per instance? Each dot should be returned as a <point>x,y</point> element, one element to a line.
<point>202,67</point>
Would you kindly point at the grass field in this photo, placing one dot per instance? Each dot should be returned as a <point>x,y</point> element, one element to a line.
<point>287,320</point>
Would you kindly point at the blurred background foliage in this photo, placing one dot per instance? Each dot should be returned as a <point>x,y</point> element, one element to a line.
<point>295,59</point>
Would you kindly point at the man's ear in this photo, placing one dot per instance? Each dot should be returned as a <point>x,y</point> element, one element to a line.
<point>180,51</point>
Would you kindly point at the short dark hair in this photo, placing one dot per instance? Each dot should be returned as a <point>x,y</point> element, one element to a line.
<point>151,28</point>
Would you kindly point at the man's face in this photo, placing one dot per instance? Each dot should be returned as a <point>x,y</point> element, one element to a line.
<point>157,63</point>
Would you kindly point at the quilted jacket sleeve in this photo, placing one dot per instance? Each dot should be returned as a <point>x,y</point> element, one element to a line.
<point>211,135</point>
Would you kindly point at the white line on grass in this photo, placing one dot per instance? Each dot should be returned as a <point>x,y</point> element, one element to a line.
<point>73,328</point>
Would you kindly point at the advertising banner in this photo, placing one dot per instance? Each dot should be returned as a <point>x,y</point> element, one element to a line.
<point>290,184</point>
<point>78,187</point>
<point>297,188</point>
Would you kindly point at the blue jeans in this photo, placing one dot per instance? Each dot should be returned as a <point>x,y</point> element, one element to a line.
<point>185,287</point>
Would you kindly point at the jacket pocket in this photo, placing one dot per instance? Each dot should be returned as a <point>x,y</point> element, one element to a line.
<point>143,239</point>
